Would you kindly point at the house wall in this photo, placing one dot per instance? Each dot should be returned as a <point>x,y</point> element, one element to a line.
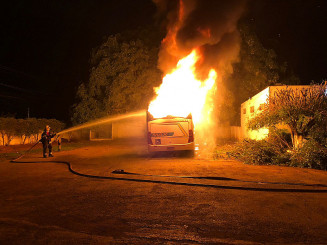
<point>252,108</point>
<point>103,132</point>
<point>129,128</point>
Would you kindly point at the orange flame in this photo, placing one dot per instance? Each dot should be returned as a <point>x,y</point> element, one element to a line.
<point>181,93</point>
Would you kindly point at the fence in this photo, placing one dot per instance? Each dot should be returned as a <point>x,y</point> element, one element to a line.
<point>229,133</point>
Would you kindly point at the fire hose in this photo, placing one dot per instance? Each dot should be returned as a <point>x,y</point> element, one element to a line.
<point>25,152</point>
<point>122,172</point>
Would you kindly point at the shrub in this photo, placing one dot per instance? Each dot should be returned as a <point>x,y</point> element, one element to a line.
<point>11,127</point>
<point>8,129</point>
<point>280,137</point>
<point>319,134</point>
<point>311,155</point>
<point>259,152</point>
<point>264,152</point>
<point>272,150</point>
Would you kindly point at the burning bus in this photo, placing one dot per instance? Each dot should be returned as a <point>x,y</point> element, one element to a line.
<point>180,108</point>
<point>170,133</point>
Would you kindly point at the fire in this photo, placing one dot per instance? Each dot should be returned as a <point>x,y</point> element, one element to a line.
<point>181,93</point>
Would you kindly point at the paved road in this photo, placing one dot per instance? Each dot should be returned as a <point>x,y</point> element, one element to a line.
<point>43,203</point>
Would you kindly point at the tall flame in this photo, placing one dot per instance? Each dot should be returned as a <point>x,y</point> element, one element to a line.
<point>181,93</point>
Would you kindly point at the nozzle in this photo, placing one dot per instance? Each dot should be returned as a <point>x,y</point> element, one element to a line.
<point>118,171</point>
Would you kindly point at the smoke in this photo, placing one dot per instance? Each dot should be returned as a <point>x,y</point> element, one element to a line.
<point>210,27</point>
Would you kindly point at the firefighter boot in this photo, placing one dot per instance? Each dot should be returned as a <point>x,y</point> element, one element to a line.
<point>50,150</point>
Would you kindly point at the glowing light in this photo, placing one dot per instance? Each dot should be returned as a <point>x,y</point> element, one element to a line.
<point>181,93</point>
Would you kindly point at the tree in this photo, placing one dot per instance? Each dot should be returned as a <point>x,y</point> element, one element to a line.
<point>8,128</point>
<point>122,78</point>
<point>33,128</point>
<point>11,127</point>
<point>258,67</point>
<point>26,128</point>
<point>21,130</point>
<point>55,125</point>
<point>301,110</point>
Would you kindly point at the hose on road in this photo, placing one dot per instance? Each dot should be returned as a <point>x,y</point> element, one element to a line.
<point>121,171</point>
<point>182,177</point>
<point>289,190</point>
<point>19,157</point>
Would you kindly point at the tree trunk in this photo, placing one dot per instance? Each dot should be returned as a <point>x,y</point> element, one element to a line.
<point>297,140</point>
<point>3,139</point>
<point>25,138</point>
<point>10,138</point>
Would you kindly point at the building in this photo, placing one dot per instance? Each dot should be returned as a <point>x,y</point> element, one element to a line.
<point>254,105</point>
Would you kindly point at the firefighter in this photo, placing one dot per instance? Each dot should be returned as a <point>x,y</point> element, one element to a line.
<point>46,137</point>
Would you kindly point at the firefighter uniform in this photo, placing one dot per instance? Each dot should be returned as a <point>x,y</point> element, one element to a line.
<point>46,137</point>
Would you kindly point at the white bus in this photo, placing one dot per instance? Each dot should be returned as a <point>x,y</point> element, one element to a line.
<point>170,133</point>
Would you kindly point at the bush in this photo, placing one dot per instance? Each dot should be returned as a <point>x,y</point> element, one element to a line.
<point>264,152</point>
<point>259,152</point>
<point>8,129</point>
<point>311,155</point>
<point>272,150</point>
<point>11,127</point>
<point>319,134</point>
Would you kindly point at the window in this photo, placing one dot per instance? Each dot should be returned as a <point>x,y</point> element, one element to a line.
<point>244,111</point>
<point>252,109</point>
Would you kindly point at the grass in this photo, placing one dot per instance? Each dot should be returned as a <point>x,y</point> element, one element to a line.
<point>222,151</point>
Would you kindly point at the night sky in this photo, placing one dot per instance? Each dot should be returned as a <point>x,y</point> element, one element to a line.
<point>45,45</point>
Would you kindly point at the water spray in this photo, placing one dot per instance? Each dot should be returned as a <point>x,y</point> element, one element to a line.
<point>103,121</point>
<point>90,124</point>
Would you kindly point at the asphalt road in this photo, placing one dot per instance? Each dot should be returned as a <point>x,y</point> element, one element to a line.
<point>43,203</point>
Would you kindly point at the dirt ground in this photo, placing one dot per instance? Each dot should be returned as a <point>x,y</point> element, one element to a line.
<point>43,203</point>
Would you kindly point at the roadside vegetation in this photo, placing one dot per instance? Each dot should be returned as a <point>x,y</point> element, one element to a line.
<point>27,128</point>
<point>305,145</point>
<point>123,72</point>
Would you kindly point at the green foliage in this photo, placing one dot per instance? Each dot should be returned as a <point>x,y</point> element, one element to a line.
<point>305,112</point>
<point>56,126</point>
<point>275,150</point>
<point>257,68</point>
<point>311,155</point>
<point>259,152</point>
<point>8,128</point>
<point>26,128</point>
<point>280,137</point>
<point>300,109</point>
<point>122,79</point>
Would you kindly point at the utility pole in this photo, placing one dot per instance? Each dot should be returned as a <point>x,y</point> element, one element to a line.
<point>28,112</point>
